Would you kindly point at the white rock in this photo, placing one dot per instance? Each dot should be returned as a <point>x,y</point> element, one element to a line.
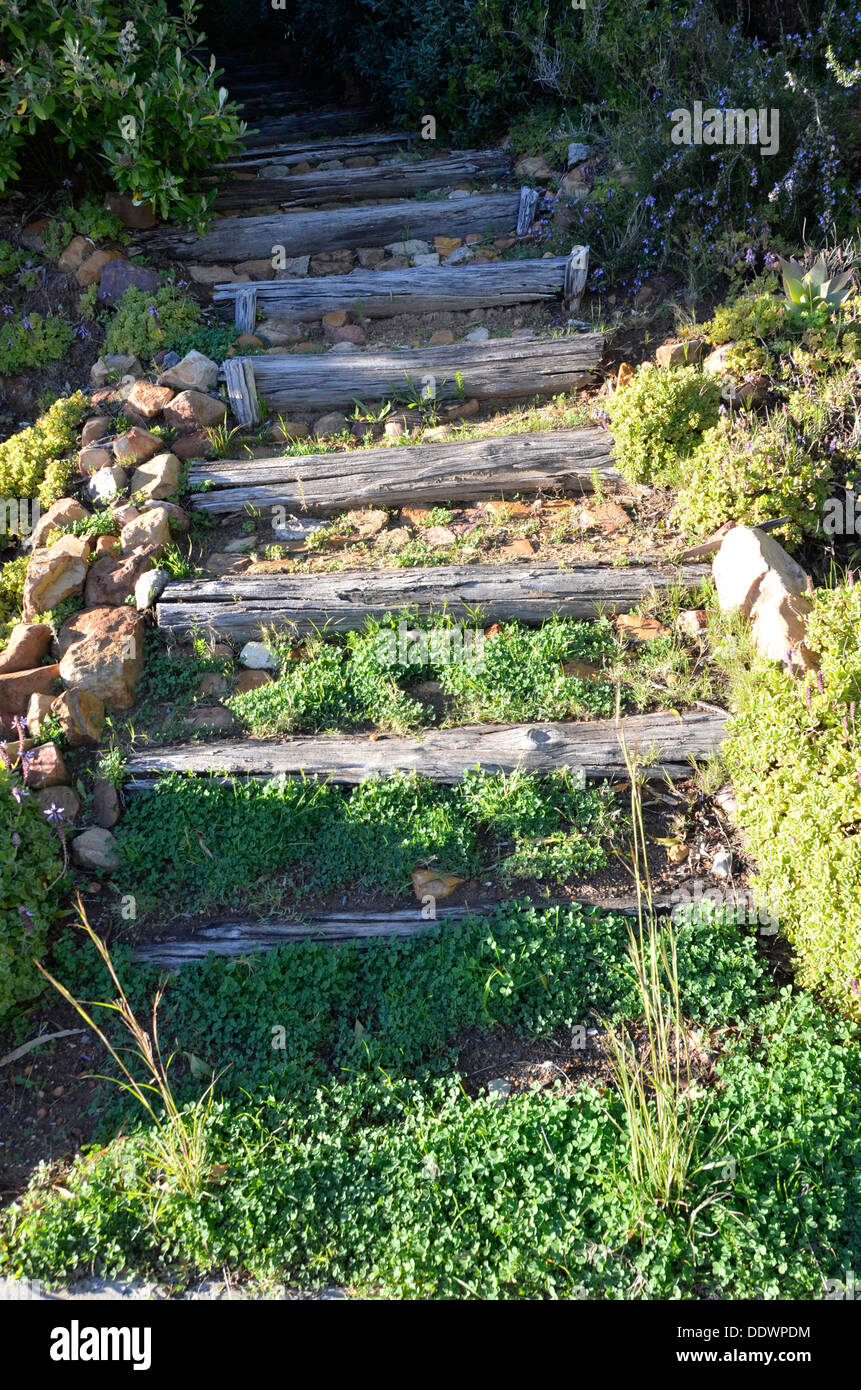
<point>96,849</point>
<point>478,335</point>
<point>149,587</point>
<point>431,258</point>
<point>459,193</point>
<point>754,575</point>
<point>460,256</point>
<point>578,153</point>
<point>344,349</point>
<point>194,372</point>
<point>722,864</point>
<point>106,484</point>
<point>294,265</point>
<point>258,657</point>
<point>499,1090</point>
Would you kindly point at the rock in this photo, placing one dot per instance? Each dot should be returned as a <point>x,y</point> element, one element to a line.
<point>429,259</point>
<point>241,546</point>
<point>460,256</point>
<point>293,265</point>
<point>258,657</point>
<point>478,335</point>
<point>534,167</point>
<point>77,251</point>
<point>194,410</point>
<point>55,572</point>
<point>212,684</point>
<point>106,484</point>
<point>249,340</point>
<point>722,863</point>
<point>111,580</point>
<point>102,652</point>
<point>279,332</point>
<point>65,799</point>
<point>259,269</point>
<point>350,333</point>
<point>461,411</point>
<point>44,767</point>
<point>395,539</point>
<point>674,353</point>
<point>93,458</point>
<point>175,514</point>
<point>410,247</point>
<point>124,512</point>
<point>331,263</point>
<point>139,216</point>
<point>394,263</point>
<point>33,235</point>
<point>157,478</point>
<point>191,446</point>
<point>113,367</point>
<point>38,708</point>
<point>16,687</point>
<point>220,562</point>
<point>578,153</point>
<point>368,521</point>
<point>369,256</point>
<point>439,536</point>
<point>106,545</point>
<point>118,275</point>
<point>28,644</point>
<point>149,587</point>
<point>96,848</point>
<point>106,803</point>
<point>610,517</point>
<point>435,883</point>
<point>745,556</point>
<point>136,446</point>
<point>150,531</point>
<point>95,428</point>
<point>211,717</point>
<point>63,512</point>
<point>499,1090</point>
<point>210,274</point>
<point>251,680</point>
<point>81,716</point>
<point>639,629</point>
<point>90,271</point>
<point>328,425</point>
<point>692,622</point>
<point>575,186</point>
<point>194,372</point>
<point>295,530</point>
<point>336,318</point>
<point>284,431</point>
<point>147,399</point>
<point>344,348</point>
<point>521,548</point>
<point>396,425</point>
<point>725,798</point>
<point>446,244</point>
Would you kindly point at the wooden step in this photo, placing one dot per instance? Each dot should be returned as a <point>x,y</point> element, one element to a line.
<point>419,290</point>
<point>315,151</point>
<point>237,937</point>
<point>242,606</point>
<point>396,180</point>
<point>416,474</point>
<point>234,239</point>
<point>669,742</point>
<point>498,369</point>
<point>308,127</point>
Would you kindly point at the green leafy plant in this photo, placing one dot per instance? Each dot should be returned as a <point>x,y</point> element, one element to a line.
<point>658,420</point>
<point>815,292</point>
<point>31,867</point>
<point>33,463</point>
<point>143,324</point>
<point>31,340</point>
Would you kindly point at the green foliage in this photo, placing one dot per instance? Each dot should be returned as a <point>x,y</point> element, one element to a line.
<point>12,578</point>
<point>814,293</point>
<point>756,324</point>
<point>33,462</point>
<point>751,472</point>
<point>144,324</point>
<point>10,260</point>
<point>31,341</point>
<point>91,219</point>
<point>290,838</point>
<point>129,95</point>
<point>658,418</point>
<point>793,756</point>
<point>31,865</point>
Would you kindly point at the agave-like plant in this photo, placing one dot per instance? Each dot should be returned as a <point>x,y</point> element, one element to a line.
<point>814,289</point>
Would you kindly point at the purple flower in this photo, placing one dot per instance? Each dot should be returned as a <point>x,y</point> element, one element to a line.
<point>16,839</point>
<point>54,814</point>
<point>27,324</point>
<point>19,792</point>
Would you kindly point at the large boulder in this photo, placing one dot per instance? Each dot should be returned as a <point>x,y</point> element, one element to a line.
<point>149,531</point>
<point>44,767</point>
<point>136,446</point>
<point>194,410</point>
<point>56,572</point>
<point>754,575</point>
<point>16,687</point>
<point>96,848</point>
<point>148,400</point>
<point>102,653</point>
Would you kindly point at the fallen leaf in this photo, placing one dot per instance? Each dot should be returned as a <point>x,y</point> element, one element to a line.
<point>434,883</point>
<point>640,629</point>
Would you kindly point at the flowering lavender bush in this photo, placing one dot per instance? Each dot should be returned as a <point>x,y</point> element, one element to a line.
<point>32,862</point>
<point>127,92</point>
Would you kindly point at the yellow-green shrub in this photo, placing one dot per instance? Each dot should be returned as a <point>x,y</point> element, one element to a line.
<point>33,462</point>
<point>658,420</point>
<point>794,755</point>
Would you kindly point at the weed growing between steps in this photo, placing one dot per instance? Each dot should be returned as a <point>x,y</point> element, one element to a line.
<point>259,844</point>
<point>793,757</point>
